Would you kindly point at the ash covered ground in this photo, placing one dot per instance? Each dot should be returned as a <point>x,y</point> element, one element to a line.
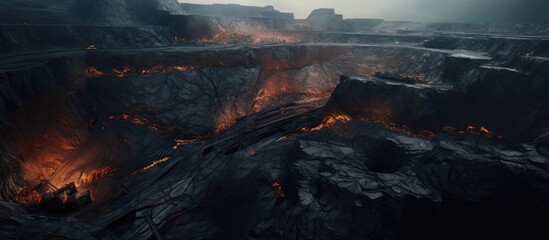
<point>156,119</point>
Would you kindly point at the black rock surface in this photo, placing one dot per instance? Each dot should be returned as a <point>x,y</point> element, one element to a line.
<point>225,122</point>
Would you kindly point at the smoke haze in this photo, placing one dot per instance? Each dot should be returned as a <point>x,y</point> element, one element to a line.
<point>414,10</point>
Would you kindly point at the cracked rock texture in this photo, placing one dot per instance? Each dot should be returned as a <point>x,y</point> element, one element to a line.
<point>212,135</point>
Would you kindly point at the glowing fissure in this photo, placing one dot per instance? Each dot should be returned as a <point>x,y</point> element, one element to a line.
<point>180,142</point>
<point>96,174</point>
<point>269,93</point>
<point>251,36</point>
<point>328,122</point>
<point>28,197</point>
<point>153,164</point>
<point>156,162</point>
<point>135,120</point>
<point>224,124</point>
<point>472,129</point>
<point>407,131</point>
<point>92,72</point>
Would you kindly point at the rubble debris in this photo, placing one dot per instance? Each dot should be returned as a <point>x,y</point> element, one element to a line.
<point>62,200</point>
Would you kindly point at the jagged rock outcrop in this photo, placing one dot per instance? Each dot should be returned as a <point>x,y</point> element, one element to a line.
<point>532,29</point>
<point>488,101</point>
<point>325,19</point>
<point>234,10</point>
<point>87,12</point>
<point>228,126</point>
<point>35,37</point>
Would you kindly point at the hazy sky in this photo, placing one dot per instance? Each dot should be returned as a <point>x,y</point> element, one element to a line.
<point>415,10</point>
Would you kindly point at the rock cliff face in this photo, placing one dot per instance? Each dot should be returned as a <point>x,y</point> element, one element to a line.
<point>534,29</point>
<point>258,76</point>
<point>171,6</point>
<point>216,126</point>
<point>196,28</point>
<point>38,37</point>
<point>87,12</point>
<point>487,102</point>
<point>326,19</point>
<point>234,10</point>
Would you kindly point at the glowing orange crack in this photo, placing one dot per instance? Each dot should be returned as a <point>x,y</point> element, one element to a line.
<point>96,174</point>
<point>472,129</point>
<point>153,164</point>
<point>94,72</point>
<point>328,122</point>
<point>134,120</point>
<point>156,162</point>
<point>179,142</point>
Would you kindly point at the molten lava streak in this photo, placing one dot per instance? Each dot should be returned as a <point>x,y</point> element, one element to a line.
<point>179,142</point>
<point>122,73</point>
<point>329,121</point>
<point>251,37</point>
<point>28,197</point>
<point>96,174</point>
<point>483,131</point>
<point>223,123</point>
<point>472,129</point>
<point>384,116</point>
<point>164,69</point>
<point>156,162</point>
<point>91,71</point>
<point>407,131</point>
<point>277,89</point>
<point>135,120</point>
<point>232,109</point>
<point>153,164</point>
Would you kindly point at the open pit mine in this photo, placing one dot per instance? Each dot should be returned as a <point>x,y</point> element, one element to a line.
<point>154,119</point>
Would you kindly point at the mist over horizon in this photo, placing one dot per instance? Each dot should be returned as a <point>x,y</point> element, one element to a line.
<point>507,11</point>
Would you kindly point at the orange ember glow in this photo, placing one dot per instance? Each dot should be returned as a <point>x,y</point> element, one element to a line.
<point>384,116</point>
<point>183,68</point>
<point>286,137</point>
<point>179,142</point>
<point>260,97</point>
<point>329,121</point>
<point>121,73</point>
<point>277,190</point>
<point>164,69</point>
<point>28,197</point>
<point>153,164</point>
<point>251,37</point>
<point>483,131</point>
<point>407,131</point>
<point>472,129</point>
<point>277,86</point>
<point>264,96</point>
<point>96,174</point>
<point>156,162</point>
<point>230,111</point>
<point>94,72</point>
<point>224,125</point>
<point>212,39</point>
<point>135,120</point>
